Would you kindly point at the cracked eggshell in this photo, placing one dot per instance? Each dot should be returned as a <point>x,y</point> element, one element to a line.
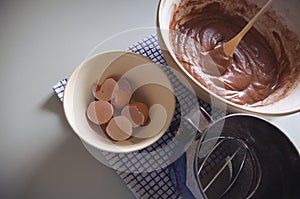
<point>119,128</point>
<point>121,98</point>
<point>105,90</point>
<point>124,85</point>
<point>100,112</point>
<point>137,113</point>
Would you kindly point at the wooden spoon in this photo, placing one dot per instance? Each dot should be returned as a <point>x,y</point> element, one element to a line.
<point>231,45</point>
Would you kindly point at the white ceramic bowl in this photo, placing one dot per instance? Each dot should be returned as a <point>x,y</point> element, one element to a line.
<point>155,90</point>
<point>289,14</point>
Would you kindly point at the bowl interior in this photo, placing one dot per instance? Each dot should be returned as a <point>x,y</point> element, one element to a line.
<point>288,14</point>
<point>154,90</point>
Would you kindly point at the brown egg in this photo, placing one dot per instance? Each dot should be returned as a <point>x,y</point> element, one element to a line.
<point>121,98</point>
<point>100,112</point>
<point>106,89</point>
<point>137,113</point>
<point>119,128</point>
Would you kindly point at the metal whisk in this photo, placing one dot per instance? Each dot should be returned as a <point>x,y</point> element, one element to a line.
<point>225,165</point>
<point>236,157</point>
<point>227,168</point>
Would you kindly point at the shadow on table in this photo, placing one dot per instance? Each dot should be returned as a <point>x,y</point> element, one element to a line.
<point>71,172</point>
<point>55,106</point>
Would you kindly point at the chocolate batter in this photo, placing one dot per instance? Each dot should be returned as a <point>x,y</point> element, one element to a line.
<point>249,76</point>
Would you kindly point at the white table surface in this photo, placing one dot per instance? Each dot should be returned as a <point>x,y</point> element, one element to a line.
<point>42,42</point>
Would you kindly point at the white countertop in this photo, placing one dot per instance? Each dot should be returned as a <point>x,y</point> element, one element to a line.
<point>41,43</point>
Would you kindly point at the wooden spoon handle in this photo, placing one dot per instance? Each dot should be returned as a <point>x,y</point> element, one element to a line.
<point>231,45</point>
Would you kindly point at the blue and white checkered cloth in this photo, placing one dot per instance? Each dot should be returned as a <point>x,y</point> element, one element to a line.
<point>157,183</point>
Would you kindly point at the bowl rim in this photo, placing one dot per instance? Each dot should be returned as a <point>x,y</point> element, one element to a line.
<point>117,149</point>
<point>237,108</point>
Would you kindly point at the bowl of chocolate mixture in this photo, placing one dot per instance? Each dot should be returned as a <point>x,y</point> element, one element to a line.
<point>262,76</point>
